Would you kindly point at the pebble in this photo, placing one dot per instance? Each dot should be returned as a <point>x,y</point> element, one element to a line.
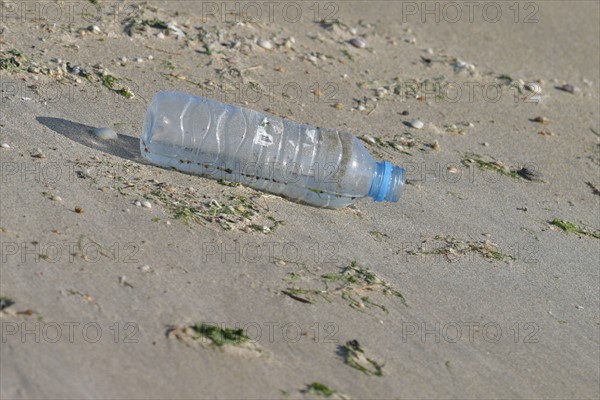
<point>138,60</point>
<point>146,204</point>
<point>37,153</point>
<point>579,307</point>
<point>137,203</point>
<point>569,87</point>
<point>5,146</point>
<point>160,35</point>
<point>417,124</point>
<point>56,198</point>
<point>280,263</point>
<point>358,42</point>
<point>486,144</point>
<point>541,120</point>
<point>104,133</point>
<point>530,174</point>
<point>265,44</point>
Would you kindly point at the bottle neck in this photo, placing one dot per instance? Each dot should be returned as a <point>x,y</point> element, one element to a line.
<point>387,183</point>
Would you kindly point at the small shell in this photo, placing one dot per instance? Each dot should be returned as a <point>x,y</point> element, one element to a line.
<point>370,139</point>
<point>265,44</point>
<point>94,29</point>
<point>37,153</point>
<point>533,87</point>
<point>535,99</point>
<point>145,268</point>
<point>358,42</point>
<point>5,146</point>
<point>146,204</point>
<point>104,133</point>
<point>417,124</point>
<point>56,198</point>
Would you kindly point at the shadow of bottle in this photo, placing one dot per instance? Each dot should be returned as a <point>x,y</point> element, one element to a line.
<point>124,146</point>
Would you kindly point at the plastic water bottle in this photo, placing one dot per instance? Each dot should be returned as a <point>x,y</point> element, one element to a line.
<point>316,166</point>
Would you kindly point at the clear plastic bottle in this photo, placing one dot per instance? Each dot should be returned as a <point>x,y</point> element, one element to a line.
<point>316,166</point>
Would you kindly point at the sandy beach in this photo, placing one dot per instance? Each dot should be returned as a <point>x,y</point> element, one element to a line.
<point>121,279</point>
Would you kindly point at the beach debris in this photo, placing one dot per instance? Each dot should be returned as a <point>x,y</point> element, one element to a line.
<point>233,341</point>
<point>417,124</point>
<point>353,282</point>
<point>452,249</point>
<point>319,389</point>
<point>5,146</point>
<point>265,44</point>
<point>495,165</point>
<point>569,87</point>
<point>104,133</point>
<point>355,357</point>
<point>546,133</point>
<point>358,42</point>
<point>573,228</point>
<point>595,190</point>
